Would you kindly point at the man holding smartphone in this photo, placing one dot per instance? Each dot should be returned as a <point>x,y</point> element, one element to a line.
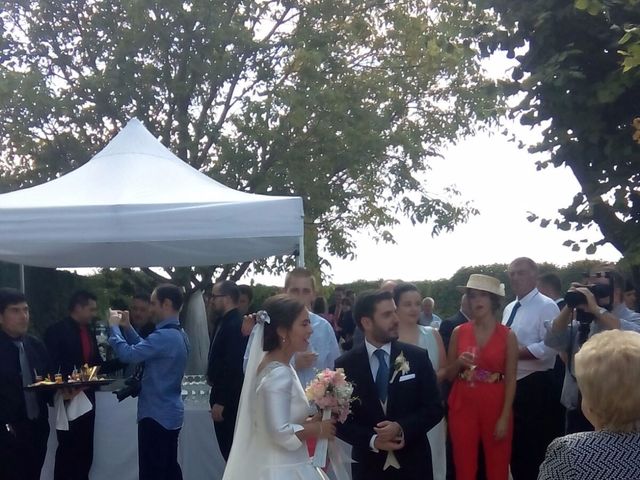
<point>160,406</point>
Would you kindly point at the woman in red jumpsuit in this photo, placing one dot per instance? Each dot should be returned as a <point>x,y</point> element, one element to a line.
<point>482,358</point>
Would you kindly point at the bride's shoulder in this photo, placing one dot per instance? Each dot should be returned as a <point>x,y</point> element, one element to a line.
<point>275,372</point>
<point>274,368</point>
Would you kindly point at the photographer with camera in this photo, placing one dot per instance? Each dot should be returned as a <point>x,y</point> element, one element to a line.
<point>597,304</point>
<point>160,407</point>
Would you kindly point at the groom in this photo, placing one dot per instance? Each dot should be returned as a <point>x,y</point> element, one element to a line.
<point>397,399</point>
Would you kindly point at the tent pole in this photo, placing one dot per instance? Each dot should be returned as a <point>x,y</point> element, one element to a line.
<point>301,252</point>
<point>21,277</point>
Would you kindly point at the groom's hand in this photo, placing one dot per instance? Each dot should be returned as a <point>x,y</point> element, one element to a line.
<point>389,445</point>
<point>387,430</point>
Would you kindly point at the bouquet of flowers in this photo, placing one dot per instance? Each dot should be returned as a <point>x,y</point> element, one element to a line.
<point>331,392</point>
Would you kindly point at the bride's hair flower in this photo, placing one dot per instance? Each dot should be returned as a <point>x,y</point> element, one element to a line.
<point>263,317</point>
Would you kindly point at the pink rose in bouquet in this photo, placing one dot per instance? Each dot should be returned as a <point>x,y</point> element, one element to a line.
<point>330,390</point>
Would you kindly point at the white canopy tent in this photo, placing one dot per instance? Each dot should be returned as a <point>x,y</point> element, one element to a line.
<point>135,204</point>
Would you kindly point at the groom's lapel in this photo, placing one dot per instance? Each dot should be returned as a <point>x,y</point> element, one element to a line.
<point>368,387</point>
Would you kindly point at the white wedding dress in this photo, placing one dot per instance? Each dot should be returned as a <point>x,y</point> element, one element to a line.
<point>273,407</point>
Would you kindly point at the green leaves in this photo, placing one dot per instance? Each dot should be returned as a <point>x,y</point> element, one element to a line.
<point>342,102</point>
<point>593,7</point>
<point>574,88</point>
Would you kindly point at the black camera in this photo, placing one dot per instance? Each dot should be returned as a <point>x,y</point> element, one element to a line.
<point>133,384</point>
<point>599,290</point>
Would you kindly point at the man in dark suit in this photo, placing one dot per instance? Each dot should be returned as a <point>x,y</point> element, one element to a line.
<point>397,397</point>
<point>449,324</point>
<point>224,371</point>
<point>24,425</point>
<point>71,343</point>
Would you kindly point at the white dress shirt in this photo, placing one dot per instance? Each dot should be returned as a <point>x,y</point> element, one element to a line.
<point>530,326</point>
<point>373,359</point>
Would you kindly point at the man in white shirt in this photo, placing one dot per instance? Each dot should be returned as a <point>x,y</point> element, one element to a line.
<point>323,349</point>
<point>527,316</point>
<point>427,317</point>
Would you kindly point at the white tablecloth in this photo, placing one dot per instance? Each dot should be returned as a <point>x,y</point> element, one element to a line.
<point>115,453</point>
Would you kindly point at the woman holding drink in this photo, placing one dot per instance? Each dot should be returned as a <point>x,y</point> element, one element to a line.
<point>482,360</point>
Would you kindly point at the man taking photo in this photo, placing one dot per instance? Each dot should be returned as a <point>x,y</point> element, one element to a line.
<point>160,407</point>
<point>567,335</point>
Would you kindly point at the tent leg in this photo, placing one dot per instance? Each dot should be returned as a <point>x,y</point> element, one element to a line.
<point>21,277</point>
<point>301,252</point>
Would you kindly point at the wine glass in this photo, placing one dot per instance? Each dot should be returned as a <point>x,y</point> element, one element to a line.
<point>473,352</point>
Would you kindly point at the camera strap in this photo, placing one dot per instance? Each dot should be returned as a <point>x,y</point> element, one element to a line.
<point>173,326</point>
<point>168,326</point>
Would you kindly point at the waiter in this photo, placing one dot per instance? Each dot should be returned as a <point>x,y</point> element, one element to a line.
<point>24,426</point>
<point>71,343</point>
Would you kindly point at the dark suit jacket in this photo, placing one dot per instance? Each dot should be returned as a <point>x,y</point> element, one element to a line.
<point>415,404</point>
<point>226,356</point>
<point>12,405</point>
<point>65,348</point>
<point>447,327</point>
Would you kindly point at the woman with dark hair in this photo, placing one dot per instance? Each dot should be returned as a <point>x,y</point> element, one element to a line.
<point>273,416</point>
<point>409,304</point>
<point>482,360</point>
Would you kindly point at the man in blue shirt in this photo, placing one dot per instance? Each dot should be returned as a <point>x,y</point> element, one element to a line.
<point>323,346</point>
<point>160,407</point>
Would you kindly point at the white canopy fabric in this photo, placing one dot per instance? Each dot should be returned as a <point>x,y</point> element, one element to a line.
<point>135,204</point>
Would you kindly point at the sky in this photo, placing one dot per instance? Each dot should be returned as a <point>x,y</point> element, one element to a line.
<point>502,182</point>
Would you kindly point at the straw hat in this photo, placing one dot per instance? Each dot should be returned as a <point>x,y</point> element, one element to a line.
<point>478,281</point>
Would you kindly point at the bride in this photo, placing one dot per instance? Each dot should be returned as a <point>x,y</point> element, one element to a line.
<point>273,415</point>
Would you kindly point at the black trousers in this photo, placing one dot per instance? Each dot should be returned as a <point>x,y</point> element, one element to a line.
<point>74,455</point>
<point>157,451</point>
<point>224,432</point>
<point>557,415</point>
<point>531,428</point>
<point>23,450</point>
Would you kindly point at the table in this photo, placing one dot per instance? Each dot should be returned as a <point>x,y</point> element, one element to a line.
<point>115,453</point>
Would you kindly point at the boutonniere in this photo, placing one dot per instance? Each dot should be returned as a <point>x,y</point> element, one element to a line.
<point>400,365</point>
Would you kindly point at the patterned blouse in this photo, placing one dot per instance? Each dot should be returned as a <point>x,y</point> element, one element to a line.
<point>593,456</point>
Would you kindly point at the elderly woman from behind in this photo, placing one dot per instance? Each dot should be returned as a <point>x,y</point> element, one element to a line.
<point>607,369</point>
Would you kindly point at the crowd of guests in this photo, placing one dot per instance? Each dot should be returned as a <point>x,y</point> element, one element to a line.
<point>526,390</point>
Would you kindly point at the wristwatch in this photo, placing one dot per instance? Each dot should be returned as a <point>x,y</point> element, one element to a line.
<point>602,311</point>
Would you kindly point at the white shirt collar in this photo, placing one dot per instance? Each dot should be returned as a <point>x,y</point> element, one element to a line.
<point>528,296</point>
<point>371,348</point>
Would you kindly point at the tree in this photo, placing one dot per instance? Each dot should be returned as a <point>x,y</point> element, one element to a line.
<point>576,91</point>
<point>630,41</point>
<point>339,101</point>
